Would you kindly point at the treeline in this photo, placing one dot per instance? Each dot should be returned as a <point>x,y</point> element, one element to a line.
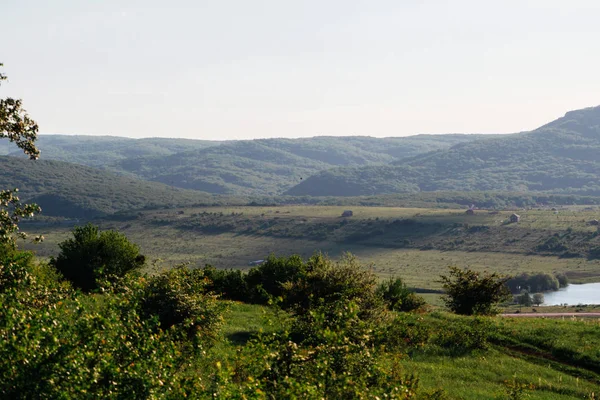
<point>537,283</point>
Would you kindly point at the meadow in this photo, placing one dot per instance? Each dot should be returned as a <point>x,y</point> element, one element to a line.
<point>417,244</point>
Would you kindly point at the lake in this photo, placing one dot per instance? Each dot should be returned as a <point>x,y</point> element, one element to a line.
<point>588,293</point>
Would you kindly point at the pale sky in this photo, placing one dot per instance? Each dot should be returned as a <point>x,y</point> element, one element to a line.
<point>240,69</point>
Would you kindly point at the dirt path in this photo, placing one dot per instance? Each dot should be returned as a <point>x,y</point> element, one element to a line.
<point>554,315</point>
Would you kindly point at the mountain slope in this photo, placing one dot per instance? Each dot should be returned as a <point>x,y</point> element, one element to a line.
<point>271,166</point>
<point>104,151</point>
<point>76,191</point>
<point>560,157</point>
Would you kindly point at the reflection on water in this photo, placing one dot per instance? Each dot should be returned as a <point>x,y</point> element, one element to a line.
<point>588,293</point>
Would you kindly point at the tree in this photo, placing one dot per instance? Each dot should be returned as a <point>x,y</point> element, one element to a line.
<point>92,255</point>
<point>525,298</point>
<point>398,297</point>
<point>538,299</point>
<point>469,292</point>
<point>19,128</point>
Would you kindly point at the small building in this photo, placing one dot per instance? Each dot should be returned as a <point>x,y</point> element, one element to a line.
<point>515,218</point>
<point>347,213</point>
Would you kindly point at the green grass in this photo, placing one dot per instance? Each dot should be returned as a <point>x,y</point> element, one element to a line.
<point>543,354</point>
<point>170,237</point>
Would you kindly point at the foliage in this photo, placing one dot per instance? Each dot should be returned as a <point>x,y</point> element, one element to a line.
<point>66,345</point>
<point>227,283</point>
<point>92,255</point>
<point>525,298</point>
<point>339,361</point>
<point>541,282</point>
<point>179,298</point>
<point>469,292</point>
<point>326,281</point>
<point>19,128</point>
<point>266,280</point>
<point>398,297</point>
<point>537,299</point>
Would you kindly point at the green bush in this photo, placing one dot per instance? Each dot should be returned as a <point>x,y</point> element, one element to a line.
<point>227,283</point>
<point>326,281</point>
<point>178,298</point>
<point>266,280</point>
<point>339,362</point>
<point>397,297</point>
<point>57,343</point>
<point>91,256</point>
<point>469,292</point>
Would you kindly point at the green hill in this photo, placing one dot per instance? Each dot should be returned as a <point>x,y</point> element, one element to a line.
<point>560,157</point>
<point>104,151</point>
<point>271,166</point>
<point>251,167</point>
<point>76,191</point>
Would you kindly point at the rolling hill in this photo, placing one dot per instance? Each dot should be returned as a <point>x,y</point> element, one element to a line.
<point>76,191</point>
<point>559,157</point>
<point>271,166</point>
<point>248,167</point>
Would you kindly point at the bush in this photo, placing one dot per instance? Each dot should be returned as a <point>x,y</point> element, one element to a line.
<point>397,297</point>
<point>228,284</point>
<point>266,280</point>
<point>469,292</point>
<point>326,282</point>
<point>178,298</point>
<point>339,361</point>
<point>91,256</point>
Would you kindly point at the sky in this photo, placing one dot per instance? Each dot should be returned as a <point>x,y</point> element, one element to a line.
<point>240,69</point>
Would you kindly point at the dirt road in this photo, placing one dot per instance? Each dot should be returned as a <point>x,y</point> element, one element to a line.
<point>554,315</point>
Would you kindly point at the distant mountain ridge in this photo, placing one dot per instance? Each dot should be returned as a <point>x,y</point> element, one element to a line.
<point>248,167</point>
<point>76,191</point>
<point>562,156</point>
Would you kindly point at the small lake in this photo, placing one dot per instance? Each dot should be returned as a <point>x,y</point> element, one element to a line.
<point>588,293</point>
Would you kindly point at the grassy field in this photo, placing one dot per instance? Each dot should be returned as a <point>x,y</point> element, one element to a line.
<point>540,354</point>
<point>169,237</point>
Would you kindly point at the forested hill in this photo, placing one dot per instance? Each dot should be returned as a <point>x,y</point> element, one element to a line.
<point>560,157</point>
<point>252,167</point>
<point>76,191</point>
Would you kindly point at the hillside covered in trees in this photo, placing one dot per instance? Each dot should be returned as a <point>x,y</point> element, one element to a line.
<point>257,167</point>
<point>70,190</point>
<point>560,157</point>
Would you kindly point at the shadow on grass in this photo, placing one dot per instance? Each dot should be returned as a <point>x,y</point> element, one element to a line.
<point>242,337</point>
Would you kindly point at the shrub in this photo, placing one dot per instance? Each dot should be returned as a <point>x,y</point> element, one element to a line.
<point>80,346</point>
<point>339,362</point>
<point>227,284</point>
<point>266,280</point>
<point>469,292</point>
<point>326,281</point>
<point>538,299</point>
<point>92,255</point>
<point>179,298</point>
<point>397,297</point>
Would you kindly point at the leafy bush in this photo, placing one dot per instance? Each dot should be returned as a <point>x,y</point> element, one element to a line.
<point>228,284</point>
<point>59,343</point>
<point>179,298</point>
<point>266,280</point>
<point>326,281</point>
<point>92,255</point>
<point>397,297</point>
<point>339,362</point>
<point>469,292</point>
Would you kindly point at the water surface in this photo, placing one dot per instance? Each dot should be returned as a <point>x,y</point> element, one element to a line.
<point>588,293</point>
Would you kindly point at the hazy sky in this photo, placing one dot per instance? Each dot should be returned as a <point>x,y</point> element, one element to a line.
<point>237,69</point>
